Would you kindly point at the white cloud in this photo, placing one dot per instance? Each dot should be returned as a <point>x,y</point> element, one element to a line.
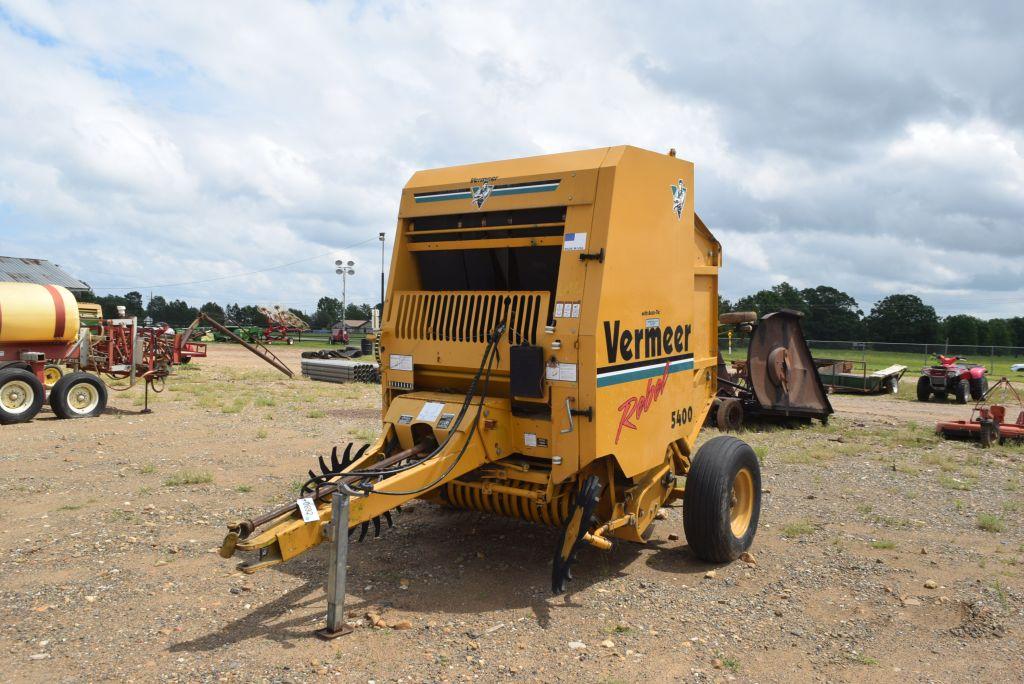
<point>172,142</point>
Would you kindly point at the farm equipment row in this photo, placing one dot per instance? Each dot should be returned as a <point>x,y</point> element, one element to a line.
<point>51,346</point>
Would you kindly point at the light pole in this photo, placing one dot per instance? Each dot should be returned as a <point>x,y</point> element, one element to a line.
<point>381,236</point>
<point>344,268</point>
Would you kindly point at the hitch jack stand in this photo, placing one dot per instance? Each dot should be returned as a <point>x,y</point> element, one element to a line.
<point>337,532</point>
<point>146,408</point>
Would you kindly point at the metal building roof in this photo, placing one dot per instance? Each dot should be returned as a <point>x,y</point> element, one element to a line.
<point>40,271</point>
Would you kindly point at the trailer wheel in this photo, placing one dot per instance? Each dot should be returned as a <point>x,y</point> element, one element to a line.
<point>51,374</point>
<point>729,415</point>
<point>962,392</point>
<point>722,500</point>
<point>893,385</point>
<point>78,395</point>
<point>924,388</point>
<point>21,396</point>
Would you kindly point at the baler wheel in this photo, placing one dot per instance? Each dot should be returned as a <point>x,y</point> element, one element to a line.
<point>21,396</point>
<point>924,389</point>
<point>722,501</point>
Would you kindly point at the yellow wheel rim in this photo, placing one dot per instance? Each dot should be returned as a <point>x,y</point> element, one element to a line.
<point>83,398</point>
<point>51,374</point>
<point>741,505</point>
<point>17,396</point>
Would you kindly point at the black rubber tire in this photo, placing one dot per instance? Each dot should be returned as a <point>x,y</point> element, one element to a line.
<point>20,375</point>
<point>987,433</point>
<point>924,389</point>
<point>184,360</point>
<point>708,496</point>
<point>62,391</point>
<point>729,416</point>
<point>979,386</point>
<point>962,391</point>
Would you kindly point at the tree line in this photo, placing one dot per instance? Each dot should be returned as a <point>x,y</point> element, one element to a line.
<point>831,314</point>
<point>178,312</point>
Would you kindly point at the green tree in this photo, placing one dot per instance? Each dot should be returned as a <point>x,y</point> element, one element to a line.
<point>902,318</point>
<point>724,305</point>
<point>232,312</point>
<point>961,329</point>
<point>781,296</point>
<point>1016,325</point>
<point>357,312</point>
<point>328,312</point>
<point>157,309</point>
<point>832,315</point>
<point>999,334</point>
<point>213,310</point>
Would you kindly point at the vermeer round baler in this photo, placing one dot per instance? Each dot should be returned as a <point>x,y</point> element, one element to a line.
<point>549,346</point>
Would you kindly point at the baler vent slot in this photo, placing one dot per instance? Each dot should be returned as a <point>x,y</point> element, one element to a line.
<point>469,316</point>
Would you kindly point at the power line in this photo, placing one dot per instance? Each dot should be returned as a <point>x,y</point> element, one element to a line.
<point>235,275</point>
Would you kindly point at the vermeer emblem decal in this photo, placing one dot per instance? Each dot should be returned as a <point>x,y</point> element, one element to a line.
<point>678,198</point>
<point>481,189</point>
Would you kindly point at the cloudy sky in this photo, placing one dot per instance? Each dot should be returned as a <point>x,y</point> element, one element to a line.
<point>876,147</point>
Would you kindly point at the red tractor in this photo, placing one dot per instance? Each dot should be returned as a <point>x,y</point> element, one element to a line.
<point>950,376</point>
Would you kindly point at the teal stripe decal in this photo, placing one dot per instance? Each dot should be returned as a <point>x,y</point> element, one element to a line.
<point>496,192</point>
<point>643,373</point>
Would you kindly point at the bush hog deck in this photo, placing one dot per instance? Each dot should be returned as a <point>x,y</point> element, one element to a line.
<point>549,351</point>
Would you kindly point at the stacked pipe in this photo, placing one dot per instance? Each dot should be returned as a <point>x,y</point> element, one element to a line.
<point>340,370</point>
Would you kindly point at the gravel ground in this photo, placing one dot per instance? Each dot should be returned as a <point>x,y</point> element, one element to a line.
<point>883,553</point>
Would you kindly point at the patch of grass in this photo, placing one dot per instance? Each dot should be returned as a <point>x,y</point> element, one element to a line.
<point>731,663</point>
<point>798,529</point>
<point>761,452</point>
<point>891,522</point>
<point>864,509</point>
<point>235,406</point>
<point>365,434</point>
<point>315,413</point>
<point>188,477</point>
<point>148,469</point>
<point>262,400</point>
<point>953,483</point>
<point>862,659</point>
<point>990,522</point>
<point>958,504</point>
<point>71,507</point>
<point>883,544</point>
<point>261,433</point>
<point>1011,506</point>
<point>243,489</point>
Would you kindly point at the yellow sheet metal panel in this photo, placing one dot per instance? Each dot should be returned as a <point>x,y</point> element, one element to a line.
<point>37,313</point>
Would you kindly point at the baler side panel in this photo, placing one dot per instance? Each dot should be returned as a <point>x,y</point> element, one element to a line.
<point>646,395</point>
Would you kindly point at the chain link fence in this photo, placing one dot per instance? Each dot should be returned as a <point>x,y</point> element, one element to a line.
<point>736,346</point>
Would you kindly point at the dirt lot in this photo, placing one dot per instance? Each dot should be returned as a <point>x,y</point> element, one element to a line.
<point>883,553</point>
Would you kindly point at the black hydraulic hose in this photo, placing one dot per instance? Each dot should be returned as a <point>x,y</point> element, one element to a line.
<point>465,444</point>
<point>486,362</point>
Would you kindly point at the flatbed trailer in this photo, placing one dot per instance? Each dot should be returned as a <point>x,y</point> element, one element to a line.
<point>842,375</point>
